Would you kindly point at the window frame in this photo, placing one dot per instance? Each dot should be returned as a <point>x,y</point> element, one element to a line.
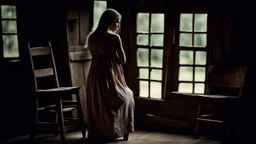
<point>170,69</point>
<point>149,47</point>
<point>178,48</point>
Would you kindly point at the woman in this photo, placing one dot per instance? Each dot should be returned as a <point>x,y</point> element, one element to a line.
<point>110,103</point>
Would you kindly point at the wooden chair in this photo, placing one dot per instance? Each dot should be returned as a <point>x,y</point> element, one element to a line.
<point>49,97</point>
<point>226,82</point>
<point>223,88</point>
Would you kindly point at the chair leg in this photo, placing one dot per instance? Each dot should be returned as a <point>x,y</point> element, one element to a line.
<point>34,121</point>
<point>32,135</point>
<point>61,119</point>
<point>126,137</point>
<point>227,132</point>
<point>196,130</point>
<point>80,114</point>
<point>57,127</point>
<point>197,122</point>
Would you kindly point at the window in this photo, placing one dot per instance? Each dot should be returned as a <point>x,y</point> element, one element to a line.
<point>189,45</point>
<point>150,42</point>
<point>9,33</point>
<point>192,45</point>
<point>99,7</point>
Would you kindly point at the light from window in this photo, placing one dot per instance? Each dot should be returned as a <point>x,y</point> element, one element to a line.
<point>150,38</point>
<point>192,52</point>
<point>9,31</point>
<point>98,8</point>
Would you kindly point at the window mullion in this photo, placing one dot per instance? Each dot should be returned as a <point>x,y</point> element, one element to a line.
<point>149,54</point>
<point>194,54</point>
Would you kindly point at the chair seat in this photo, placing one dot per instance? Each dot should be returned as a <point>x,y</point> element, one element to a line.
<point>52,108</point>
<point>64,109</point>
<point>59,90</point>
<point>46,107</point>
<point>211,120</point>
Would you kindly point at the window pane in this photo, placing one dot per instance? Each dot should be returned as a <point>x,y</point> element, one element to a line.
<point>142,57</point>
<point>155,90</point>
<point>186,21</point>
<point>157,23</point>
<point>156,58</point>
<point>186,40</point>
<point>186,57</point>
<point>142,22</point>
<point>200,23</point>
<point>142,39</point>
<point>8,12</point>
<point>143,89</point>
<point>156,40</point>
<point>186,74</point>
<point>11,47</point>
<point>143,73</point>
<point>199,88</point>
<point>98,9</point>
<point>199,74</point>
<point>9,26</point>
<point>201,58</point>
<point>185,87</point>
<point>156,75</point>
<point>200,40</point>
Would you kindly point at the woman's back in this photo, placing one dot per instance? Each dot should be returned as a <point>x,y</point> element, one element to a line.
<point>102,44</point>
<point>110,104</point>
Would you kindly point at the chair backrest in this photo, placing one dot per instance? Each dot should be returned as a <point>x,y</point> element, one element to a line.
<point>223,79</point>
<point>43,64</point>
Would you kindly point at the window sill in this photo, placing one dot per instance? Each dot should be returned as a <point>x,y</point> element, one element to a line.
<point>11,60</point>
<point>17,60</point>
<point>149,99</point>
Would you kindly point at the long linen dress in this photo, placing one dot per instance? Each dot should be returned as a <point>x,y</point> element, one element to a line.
<point>110,102</point>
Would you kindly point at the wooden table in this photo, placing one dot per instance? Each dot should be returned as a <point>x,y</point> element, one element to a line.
<point>205,96</point>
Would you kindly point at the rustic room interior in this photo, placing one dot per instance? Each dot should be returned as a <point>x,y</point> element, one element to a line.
<point>189,64</point>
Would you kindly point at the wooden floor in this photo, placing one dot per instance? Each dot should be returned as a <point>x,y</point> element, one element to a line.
<point>138,137</point>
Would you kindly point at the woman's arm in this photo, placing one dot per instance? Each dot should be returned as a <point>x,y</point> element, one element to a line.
<point>119,49</point>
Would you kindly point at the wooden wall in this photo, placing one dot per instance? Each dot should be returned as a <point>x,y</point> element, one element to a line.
<point>79,26</point>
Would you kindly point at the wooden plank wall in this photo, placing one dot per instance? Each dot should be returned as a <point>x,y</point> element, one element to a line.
<point>80,62</point>
<point>79,25</point>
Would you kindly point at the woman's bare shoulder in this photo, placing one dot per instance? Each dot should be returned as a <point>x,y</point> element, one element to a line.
<point>113,36</point>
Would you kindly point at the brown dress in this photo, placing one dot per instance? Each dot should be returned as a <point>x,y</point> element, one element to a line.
<point>110,103</point>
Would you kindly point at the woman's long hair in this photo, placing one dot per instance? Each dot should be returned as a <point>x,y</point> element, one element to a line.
<point>108,17</point>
